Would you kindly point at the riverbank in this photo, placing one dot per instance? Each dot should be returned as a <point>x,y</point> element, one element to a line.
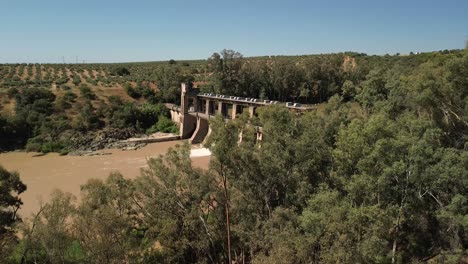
<point>44,173</point>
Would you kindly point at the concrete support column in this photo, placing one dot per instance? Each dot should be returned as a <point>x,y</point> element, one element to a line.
<point>259,136</point>
<point>184,103</point>
<point>187,123</point>
<point>234,111</point>
<point>220,107</point>
<point>251,111</point>
<point>195,104</point>
<point>207,108</point>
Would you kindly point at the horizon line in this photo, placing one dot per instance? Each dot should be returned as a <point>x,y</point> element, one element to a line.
<point>82,62</point>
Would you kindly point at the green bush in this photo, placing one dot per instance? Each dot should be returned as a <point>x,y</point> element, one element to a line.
<point>164,125</point>
<point>14,132</point>
<point>34,100</point>
<point>69,97</point>
<point>12,92</point>
<point>76,80</point>
<point>120,71</point>
<point>38,144</point>
<point>88,119</point>
<point>65,87</point>
<point>130,114</point>
<point>86,92</point>
<point>132,92</point>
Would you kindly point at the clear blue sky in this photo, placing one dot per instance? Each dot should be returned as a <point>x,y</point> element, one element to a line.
<point>134,30</point>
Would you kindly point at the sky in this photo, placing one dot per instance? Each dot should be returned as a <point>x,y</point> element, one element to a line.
<point>50,31</point>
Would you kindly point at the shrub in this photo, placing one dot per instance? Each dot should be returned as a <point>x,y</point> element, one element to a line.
<point>120,71</point>
<point>12,92</point>
<point>132,92</point>
<point>86,92</point>
<point>38,144</point>
<point>69,96</point>
<point>147,92</point>
<point>87,119</point>
<point>35,100</point>
<point>65,87</point>
<point>164,125</point>
<point>76,80</point>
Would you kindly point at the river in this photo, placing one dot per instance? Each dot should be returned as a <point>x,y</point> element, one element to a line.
<point>43,174</point>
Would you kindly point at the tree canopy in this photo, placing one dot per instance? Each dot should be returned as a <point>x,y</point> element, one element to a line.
<point>377,175</point>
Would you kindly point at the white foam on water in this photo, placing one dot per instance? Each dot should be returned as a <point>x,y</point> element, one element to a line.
<point>200,152</point>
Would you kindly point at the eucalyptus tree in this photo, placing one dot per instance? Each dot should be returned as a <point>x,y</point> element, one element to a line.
<point>11,187</point>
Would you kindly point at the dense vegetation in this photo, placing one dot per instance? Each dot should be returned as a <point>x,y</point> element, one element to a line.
<point>51,107</point>
<point>380,176</point>
<point>10,188</point>
<point>44,106</point>
<point>42,122</point>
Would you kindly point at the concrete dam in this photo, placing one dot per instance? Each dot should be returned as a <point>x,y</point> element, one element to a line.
<point>198,108</point>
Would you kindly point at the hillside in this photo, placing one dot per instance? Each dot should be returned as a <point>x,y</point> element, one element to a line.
<point>52,107</point>
<point>101,78</point>
<point>161,76</point>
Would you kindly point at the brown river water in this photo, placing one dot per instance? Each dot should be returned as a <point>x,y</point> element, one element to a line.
<point>43,174</point>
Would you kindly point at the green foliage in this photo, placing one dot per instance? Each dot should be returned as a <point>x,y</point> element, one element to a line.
<point>10,202</point>
<point>38,144</point>
<point>86,92</point>
<point>33,107</point>
<point>378,175</point>
<point>65,87</point>
<point>132,92</point>
<point>14,132</point>
<point>88,118</point>
<point>120,71</point>
<point>48,239</point>
<point>146,92</point>
<point>34,100</point>
<point>164,125</point>
<point>65,102</point>
<point>140,117</point>
<point>10,188</point>
<point>115,219</point>
<point>140,91</point>
<point>76,79</point>
<point>12,92</point>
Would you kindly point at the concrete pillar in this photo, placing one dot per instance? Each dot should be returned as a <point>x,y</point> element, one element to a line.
<point>207,109</point>
<point>220,107</point>
<point>234,111</point>
<point>251,111</point>
<point>184,103</point>
<point>259,136</point>
<point>195,104</point>
<point>187,123</point>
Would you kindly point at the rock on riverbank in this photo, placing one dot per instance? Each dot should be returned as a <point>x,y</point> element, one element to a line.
<point>125,139</point>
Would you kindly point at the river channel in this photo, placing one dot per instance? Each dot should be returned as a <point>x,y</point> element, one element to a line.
<point>44,173</point>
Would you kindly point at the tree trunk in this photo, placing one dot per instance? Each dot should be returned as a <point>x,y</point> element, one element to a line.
<point>400,212</point>
<point>395,242</point>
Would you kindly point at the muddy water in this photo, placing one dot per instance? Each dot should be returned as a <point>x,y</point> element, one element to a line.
<point>43,174</point>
